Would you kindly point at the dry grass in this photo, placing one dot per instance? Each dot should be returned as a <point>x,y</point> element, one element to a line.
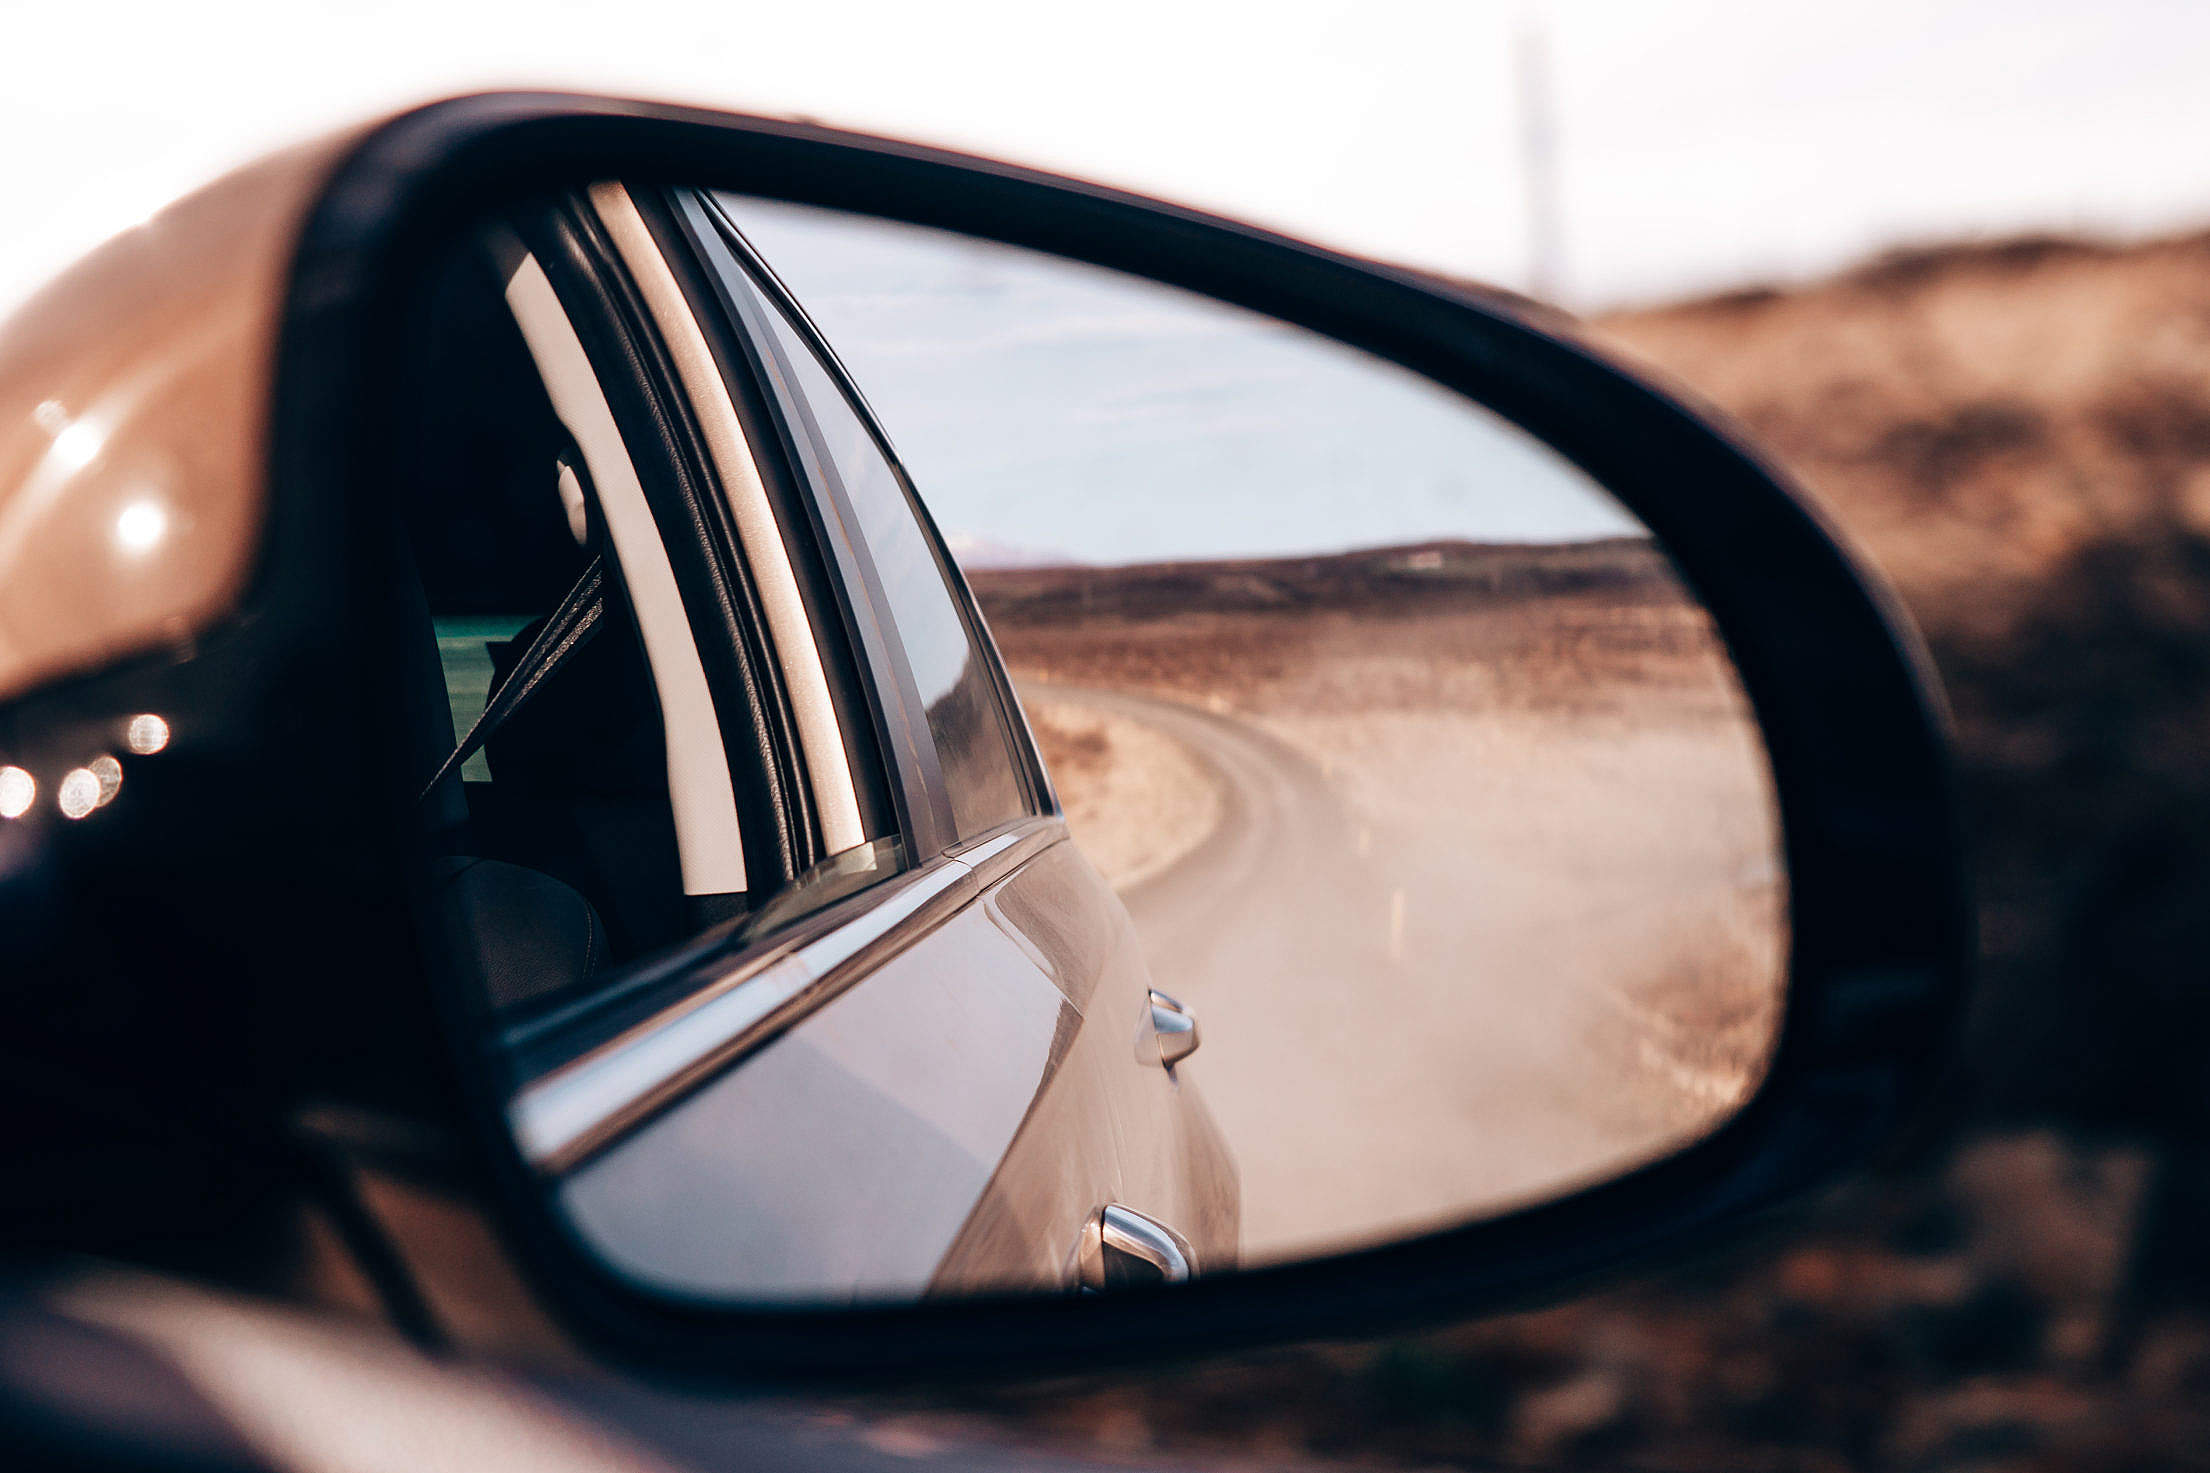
<point>1135,800</point>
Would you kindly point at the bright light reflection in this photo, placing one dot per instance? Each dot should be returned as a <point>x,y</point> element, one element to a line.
<point>18,791</point>
<point>79,793</point>
<point>140,525</point>
<point>78,445</point>
<point>50,416</point>
<point>109,772</point>
<point>147,735</point>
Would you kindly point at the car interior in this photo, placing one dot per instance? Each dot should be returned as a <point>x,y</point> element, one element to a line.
<point>536,734</point>
<point>554,849</point>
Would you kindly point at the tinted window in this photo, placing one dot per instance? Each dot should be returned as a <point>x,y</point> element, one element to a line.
<point>561,824</point>
<point>981,774</point>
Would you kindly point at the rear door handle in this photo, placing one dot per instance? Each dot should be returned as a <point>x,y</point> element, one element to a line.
<point>1120,1248</point>
<point>1174,1027</point>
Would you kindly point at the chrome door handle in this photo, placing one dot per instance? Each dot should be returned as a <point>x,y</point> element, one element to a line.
<point>1174,1026</point>
<point>1120,1248</point>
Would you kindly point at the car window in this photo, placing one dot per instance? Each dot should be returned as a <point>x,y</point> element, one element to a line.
<point>982,775</point>
<point>468,646</point>
<point>595,823</point>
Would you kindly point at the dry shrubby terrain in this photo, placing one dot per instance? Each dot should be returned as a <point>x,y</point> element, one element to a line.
<point>1364,631</point>
<point>2019,434</point>
<point>1135,799</point>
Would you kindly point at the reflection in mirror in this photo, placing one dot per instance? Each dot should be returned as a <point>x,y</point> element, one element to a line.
<point>1402,848</point>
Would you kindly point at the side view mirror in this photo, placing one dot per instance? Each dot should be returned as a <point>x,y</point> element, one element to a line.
<point>813,755</point>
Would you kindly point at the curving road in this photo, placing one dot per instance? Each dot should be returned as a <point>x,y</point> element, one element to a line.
<point>1403,1023</point>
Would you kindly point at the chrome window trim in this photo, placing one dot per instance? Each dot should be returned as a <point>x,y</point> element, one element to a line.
<point>993,856</point>
<point>805,683</point>
<point>702,793</point>
<point>568,1114</point>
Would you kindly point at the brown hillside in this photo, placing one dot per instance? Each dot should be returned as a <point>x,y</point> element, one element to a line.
<point>1401,578</point>
<point>1976,415</point>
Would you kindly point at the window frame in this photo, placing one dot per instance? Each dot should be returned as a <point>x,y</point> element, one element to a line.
<point>914,777</point>
<point>685,991</point>
<point>848,640</point>
<point>1038,799</point>
<point>632,364</point>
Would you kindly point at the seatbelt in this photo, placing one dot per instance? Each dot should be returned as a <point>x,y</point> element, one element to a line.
<point>568,628</point>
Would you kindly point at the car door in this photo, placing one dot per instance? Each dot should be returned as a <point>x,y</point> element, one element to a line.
<point>926,1059</point>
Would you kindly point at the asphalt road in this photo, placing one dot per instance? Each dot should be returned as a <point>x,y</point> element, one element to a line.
<point>1404,1023</point>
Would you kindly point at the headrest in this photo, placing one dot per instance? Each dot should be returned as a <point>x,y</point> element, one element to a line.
<point>517,934</point>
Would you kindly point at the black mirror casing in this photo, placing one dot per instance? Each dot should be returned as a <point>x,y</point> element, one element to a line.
<point>1879,916</point>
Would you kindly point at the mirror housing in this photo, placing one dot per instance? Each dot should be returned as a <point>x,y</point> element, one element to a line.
<point>1879,921</point>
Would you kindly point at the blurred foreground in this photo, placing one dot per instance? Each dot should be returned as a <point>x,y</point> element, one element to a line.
<point>2020,436</point>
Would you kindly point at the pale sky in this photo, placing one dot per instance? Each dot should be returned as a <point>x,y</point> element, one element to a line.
<point>1702,143</point>
<point>1050,412</point>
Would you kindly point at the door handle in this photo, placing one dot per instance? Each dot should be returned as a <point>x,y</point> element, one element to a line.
<point>1175,1028</point>
<point>1120,1248</point>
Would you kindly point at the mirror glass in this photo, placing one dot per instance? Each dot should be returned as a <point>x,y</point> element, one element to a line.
<point>952,770</point>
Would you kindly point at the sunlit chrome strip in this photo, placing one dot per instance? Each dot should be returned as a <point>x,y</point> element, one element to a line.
<point>805,682</point>
<point>982,853</point>
<point>563,1117</point>
<point>847,942</point>
<point>558,1117</point>
<point>709,842</point>
<point>995,858</point>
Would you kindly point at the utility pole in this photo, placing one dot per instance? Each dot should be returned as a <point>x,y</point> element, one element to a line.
<point>1538,138</point>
